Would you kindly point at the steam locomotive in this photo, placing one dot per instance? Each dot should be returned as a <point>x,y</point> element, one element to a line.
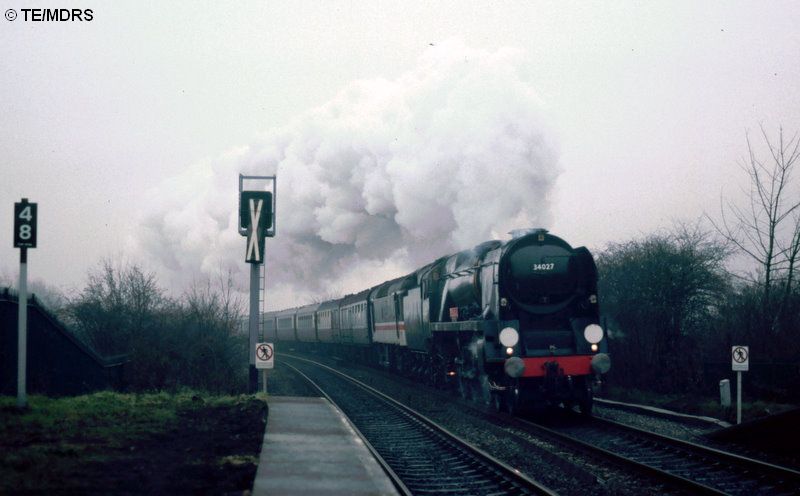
<point>514,324</point>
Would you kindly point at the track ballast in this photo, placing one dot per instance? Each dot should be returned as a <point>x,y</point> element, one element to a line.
<point>425,457</point>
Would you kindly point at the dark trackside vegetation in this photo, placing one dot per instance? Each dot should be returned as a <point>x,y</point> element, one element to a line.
<point>192,341</point>
<point>674,307</point>
<point>659,298</point>
<point>673,313</point>
<point>113,443</point>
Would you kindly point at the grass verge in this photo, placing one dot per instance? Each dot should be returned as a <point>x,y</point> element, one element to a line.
<point>108,442</point>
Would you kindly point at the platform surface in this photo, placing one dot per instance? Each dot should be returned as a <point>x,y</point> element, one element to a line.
<point>309,447</point>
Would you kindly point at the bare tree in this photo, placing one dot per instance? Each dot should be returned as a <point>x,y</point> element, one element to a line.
<point>216,299</point>
<point>791,258</point>
<point>119,301</point>
<point>762,229</point>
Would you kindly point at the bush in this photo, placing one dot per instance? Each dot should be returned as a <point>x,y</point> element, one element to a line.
<point>190,342</point>
<point>658,295</point>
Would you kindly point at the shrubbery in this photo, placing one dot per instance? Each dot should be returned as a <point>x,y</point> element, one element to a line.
<point>172,343</point>
<point>673,312</point>
<point>659,296</point>
<point>676,310</point>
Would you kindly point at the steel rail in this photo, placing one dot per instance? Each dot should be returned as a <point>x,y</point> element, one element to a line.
<point>672,479</point>
<point>716,468</point>
<point>513,475</point>
<point>783,478</point>
<point>396,481</point>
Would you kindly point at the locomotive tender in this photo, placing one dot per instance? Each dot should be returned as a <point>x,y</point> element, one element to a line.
<point>514,323</point>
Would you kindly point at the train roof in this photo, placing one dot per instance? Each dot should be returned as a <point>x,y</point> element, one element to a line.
<point>393,286</point>
<point>311,308</point>
<point>284,313</point>
<point>353,298</point>
<point>437,264</point>
<point>329,305</point>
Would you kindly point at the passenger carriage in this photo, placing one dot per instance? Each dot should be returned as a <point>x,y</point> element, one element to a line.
<point>285,325</point>
<point>328,322</point>
<point>306,325</point>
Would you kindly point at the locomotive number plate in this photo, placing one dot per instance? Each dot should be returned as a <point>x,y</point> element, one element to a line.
<point>541,267</point>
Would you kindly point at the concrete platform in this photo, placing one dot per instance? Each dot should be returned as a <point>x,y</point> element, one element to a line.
<point>310,448</point>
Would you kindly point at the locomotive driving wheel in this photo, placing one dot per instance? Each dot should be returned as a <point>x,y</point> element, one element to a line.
<point>499,401</point>
<point>475,389</point>
<point>512,399</point>
<point>586,401</point>
<point>465,376</point>
<point>507,400</point>
<point>473,383</point>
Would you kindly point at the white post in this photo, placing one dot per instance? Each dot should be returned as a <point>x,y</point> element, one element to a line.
<point>739,397</point>
<point>725,393</point>
<point>22,330</point>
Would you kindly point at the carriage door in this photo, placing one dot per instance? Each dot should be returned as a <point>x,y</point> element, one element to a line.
<point>398,317</point>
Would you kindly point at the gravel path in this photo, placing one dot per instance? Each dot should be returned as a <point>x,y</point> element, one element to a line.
<point>688,431</point>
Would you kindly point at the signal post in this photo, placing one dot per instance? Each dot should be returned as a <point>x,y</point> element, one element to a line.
<point>256,222</point>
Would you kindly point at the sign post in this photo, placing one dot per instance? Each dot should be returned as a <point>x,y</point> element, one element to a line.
<point>256,222</point>
<point>24,238</point>
<point>265,359</point>
<point>255,287</point>
<point>740,362</point>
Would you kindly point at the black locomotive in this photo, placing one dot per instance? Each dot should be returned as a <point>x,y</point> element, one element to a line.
<point>513,323</point>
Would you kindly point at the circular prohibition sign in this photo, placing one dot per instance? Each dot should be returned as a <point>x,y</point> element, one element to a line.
<point>740,354</point>
<point>264,352</point>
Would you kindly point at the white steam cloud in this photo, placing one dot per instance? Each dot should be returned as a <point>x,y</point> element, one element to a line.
<point>387,176</point>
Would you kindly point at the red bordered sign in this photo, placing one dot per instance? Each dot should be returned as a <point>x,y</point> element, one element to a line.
<point>265,356</point>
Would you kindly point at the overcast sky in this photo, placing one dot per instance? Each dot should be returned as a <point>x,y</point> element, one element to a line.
<point>398,130</point>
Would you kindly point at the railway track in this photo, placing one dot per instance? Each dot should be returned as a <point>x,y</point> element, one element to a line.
<point>681,465</point>
<point>696,468</point>
<point>421,455</point>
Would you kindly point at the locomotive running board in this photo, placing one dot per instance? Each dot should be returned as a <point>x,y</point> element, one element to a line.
<point>466,325</point>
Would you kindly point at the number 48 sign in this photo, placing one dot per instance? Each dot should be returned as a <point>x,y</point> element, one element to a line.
<point>24,224</point>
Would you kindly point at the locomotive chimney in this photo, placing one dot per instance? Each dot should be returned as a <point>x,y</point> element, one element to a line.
<point>518,233</point>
